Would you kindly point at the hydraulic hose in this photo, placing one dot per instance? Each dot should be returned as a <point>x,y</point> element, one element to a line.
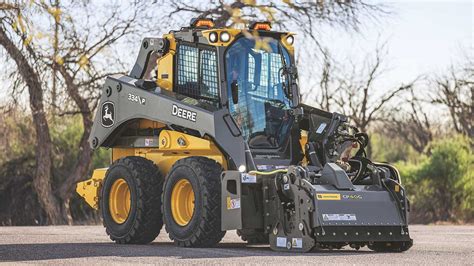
<point>269,173</point>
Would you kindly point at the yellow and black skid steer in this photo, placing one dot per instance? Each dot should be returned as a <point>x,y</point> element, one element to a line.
<point>207,134</point>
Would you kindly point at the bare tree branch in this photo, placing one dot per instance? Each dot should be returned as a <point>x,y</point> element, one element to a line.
<point>455,91</point>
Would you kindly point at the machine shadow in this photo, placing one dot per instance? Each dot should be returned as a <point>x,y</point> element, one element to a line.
<point>52,251</point>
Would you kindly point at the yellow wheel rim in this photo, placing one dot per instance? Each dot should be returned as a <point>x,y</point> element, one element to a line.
<point>182,202</point>
<point>119,201</point>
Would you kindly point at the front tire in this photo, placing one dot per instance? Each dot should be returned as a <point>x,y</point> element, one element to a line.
<point>192,202</point>
<point>131,201</point>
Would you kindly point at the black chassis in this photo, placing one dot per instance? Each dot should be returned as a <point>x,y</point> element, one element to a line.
<point>293,209</point>
<point>318,205</point>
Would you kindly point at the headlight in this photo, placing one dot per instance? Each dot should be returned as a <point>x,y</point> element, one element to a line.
<point>225,36</point>
<point>213,37</point>
<point>290,40</point>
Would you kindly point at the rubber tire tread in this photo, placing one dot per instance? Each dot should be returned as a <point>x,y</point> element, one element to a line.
<point>208,231</point>
<point>148,219</point>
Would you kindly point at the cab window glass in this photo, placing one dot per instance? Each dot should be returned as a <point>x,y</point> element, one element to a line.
<point>262,109</point>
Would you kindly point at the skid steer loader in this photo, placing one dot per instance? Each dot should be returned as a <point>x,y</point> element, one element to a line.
<point>207,134</point>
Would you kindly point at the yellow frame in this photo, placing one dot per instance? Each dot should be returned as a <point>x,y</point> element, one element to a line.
<point>173,146</point>
<point>90,188</point>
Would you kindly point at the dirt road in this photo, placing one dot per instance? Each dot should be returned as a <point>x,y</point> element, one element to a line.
<point>89,245</point>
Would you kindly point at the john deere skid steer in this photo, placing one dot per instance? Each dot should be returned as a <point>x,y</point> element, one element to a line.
<point>208,134</point>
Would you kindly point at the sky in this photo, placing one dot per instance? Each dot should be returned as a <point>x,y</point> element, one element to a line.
<point>422,37</point>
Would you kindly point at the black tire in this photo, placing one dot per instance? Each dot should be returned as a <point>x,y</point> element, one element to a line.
<point>253,236</point>
<point>145,182</point>
<point>204,227</point>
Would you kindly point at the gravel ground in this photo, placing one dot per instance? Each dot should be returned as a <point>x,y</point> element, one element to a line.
<point>87,245</point>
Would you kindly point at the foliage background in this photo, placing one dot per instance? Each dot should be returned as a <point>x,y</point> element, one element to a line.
<point>72,46</point>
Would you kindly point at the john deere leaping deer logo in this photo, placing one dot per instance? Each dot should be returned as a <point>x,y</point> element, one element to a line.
<point>108,114</point>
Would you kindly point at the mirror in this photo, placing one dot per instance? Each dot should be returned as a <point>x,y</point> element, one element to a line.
<point>289,85</point>
<point>235,91</point>
<point>257,64</point>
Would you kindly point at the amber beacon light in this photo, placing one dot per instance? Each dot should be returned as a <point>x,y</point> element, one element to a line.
<point>261,26</point>
<point>202,23</point>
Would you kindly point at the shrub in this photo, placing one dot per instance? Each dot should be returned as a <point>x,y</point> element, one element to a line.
<point>17,168</point>
<point>441,186</point>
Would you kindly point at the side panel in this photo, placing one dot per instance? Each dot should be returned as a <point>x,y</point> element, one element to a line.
<point>231,209</point>
<point>121,102</point>
<point>241,201</point>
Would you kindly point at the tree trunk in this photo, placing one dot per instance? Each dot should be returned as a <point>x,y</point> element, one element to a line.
<point>84,158</point>
<point>42,176</point>
<point>81,167</point>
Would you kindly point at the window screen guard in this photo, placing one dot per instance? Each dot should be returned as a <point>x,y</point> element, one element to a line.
<point>197,73</point>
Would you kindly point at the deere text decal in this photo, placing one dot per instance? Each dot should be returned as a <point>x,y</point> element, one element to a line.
<point>183,113</point>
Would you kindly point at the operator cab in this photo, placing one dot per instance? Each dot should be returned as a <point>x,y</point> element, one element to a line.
<point>259,93</point>
<point>255,87</point>
<point>249,71</point>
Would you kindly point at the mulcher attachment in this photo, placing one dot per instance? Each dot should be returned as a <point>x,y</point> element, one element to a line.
<point>302,210</point>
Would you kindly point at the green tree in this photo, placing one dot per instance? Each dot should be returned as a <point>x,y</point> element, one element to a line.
<point>441,186</point>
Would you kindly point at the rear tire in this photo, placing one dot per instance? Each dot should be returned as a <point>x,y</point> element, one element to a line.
<point>201,228</point>
<point>142,223</point>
